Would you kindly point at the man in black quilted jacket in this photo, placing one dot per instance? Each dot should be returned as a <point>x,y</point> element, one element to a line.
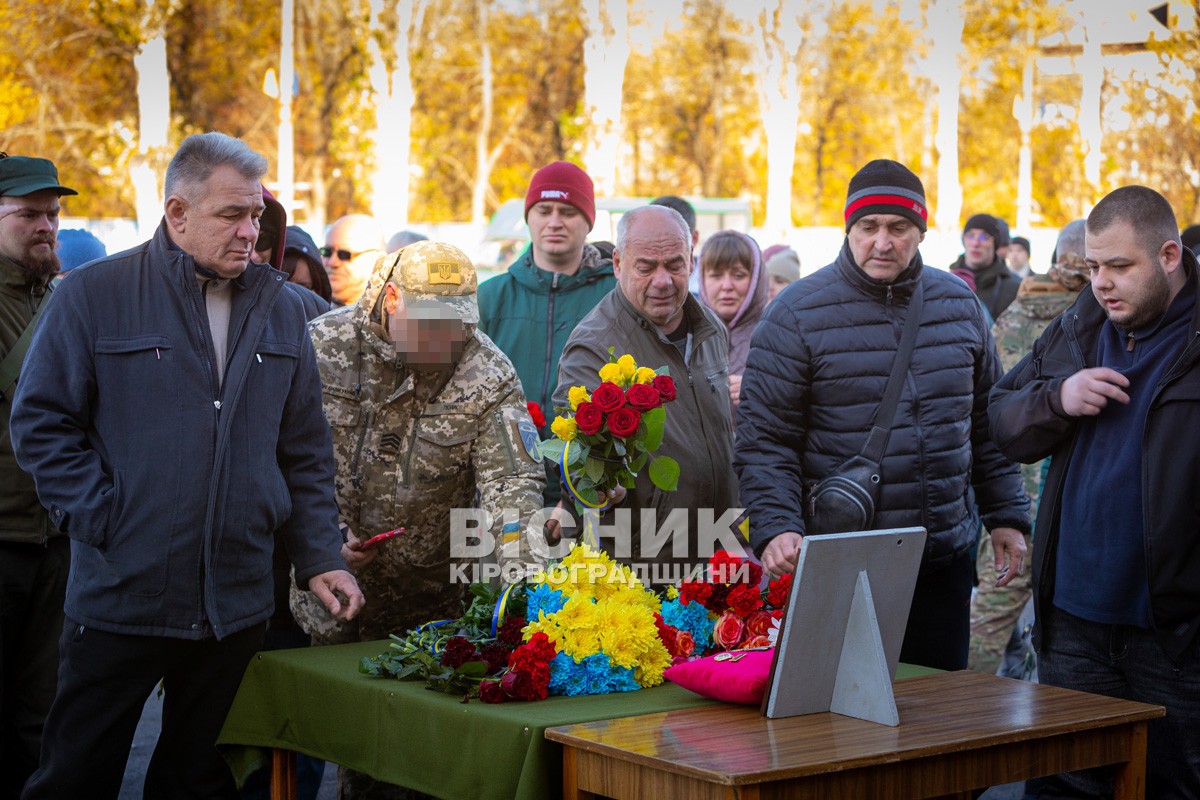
<point>817,369</point>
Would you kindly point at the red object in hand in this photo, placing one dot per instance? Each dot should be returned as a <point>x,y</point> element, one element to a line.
<point>374,540</point>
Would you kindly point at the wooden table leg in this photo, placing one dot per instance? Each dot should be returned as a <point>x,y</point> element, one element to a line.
<point>1130,780</point>
<point>283,774</point>
<point>571,790</point>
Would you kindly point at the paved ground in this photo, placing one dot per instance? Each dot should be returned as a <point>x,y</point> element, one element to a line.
<point>147,732</point>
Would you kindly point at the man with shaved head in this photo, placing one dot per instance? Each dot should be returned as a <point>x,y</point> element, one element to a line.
<point>352,245</point>
<point>1110,393</point>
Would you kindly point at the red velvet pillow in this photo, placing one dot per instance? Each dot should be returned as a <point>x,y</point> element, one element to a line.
<point>741,681</point>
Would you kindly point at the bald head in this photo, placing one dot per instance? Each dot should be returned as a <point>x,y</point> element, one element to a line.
<point>352,245</point>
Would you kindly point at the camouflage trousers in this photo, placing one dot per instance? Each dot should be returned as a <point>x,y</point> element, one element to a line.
<point>994,611</point>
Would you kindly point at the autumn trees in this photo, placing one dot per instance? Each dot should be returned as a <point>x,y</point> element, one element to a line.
<point>438,110</point>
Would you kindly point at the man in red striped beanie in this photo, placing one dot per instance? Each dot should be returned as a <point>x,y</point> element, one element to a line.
<point>815,376</point>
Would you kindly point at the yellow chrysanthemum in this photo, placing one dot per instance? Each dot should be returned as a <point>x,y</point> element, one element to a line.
<point>577,395</point>
<point>611,373</point>
<point>672,593</point>
<point>565,428</point>
<point>628,369</point>
<point>644,375</point>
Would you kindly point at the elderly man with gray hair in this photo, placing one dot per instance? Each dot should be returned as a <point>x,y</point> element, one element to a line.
<point>651,315</point>
<point>169,412</point>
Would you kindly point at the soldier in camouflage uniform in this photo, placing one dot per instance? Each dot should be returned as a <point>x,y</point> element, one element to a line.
<point>1040,298</point>
<point>426,413</point>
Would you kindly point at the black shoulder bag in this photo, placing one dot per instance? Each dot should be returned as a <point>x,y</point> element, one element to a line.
<point>846,499</point>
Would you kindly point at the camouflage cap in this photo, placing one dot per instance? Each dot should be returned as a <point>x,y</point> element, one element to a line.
<point>437,273</point>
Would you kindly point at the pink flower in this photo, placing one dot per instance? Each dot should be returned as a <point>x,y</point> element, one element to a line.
<point>728,630</point>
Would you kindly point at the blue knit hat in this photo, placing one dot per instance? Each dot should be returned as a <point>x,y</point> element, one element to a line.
<point>76,247</point>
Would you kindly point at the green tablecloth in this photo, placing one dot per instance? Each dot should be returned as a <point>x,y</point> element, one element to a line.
<point>315,701</point>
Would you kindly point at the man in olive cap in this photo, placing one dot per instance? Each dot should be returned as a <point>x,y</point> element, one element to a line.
<point>34,555</point>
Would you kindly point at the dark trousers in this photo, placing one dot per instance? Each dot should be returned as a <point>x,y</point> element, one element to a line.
<point>103,682</point>
<point>33,581</point>
<point>1127,662</point>
<point>939,624</point>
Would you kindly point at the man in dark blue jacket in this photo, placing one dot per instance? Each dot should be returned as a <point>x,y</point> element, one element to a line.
<point>818,365</point>
<point>170,415</point>
<point>1111,391</point>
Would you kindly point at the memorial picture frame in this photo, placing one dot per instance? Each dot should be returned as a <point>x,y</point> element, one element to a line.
<point>840,637</point>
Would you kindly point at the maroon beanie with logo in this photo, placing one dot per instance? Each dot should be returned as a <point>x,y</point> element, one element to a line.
<point>566,183</point>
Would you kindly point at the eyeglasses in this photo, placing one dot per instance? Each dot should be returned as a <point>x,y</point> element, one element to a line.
<point>343,255</point>
<point>977,236</point>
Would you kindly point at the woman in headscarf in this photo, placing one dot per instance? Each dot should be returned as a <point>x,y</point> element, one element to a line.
<point>734,284</point>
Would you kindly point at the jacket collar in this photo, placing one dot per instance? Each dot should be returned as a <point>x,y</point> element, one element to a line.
<point>593,267</point>
<point>17,280</point>
<point>174,259</point>
<point>879,290</point>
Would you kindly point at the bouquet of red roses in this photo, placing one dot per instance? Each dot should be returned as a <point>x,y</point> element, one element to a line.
<point>612,432</point>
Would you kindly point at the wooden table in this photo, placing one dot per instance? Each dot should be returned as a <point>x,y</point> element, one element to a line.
<point>958,731</point>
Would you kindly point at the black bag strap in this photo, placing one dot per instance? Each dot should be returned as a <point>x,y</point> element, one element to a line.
<point>10,367</point>
<point>886,415</point>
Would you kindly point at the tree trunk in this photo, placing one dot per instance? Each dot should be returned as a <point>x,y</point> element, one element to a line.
<point>483,164</point>
<point>392,137</point>
<point>154,116</point>
<point>945,30</point>
<point>605,54</point>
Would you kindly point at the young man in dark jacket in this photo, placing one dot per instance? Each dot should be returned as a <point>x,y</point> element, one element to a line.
<point>34,555</point>
<point>1111,391</point>
<point>531,310</point>
<point>169,412</point>
<point>817,369</point>
<point>995,284</point>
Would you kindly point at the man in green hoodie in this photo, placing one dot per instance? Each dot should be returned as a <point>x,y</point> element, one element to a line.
<point>530,311</point>
<point>34,555</point>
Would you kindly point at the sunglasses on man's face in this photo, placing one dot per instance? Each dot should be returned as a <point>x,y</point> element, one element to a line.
<point>343,255</point>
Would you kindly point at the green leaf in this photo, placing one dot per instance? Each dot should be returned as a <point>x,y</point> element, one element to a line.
<point>589,494</point>
<point>635,466</point>
<point>664,472</point>
<point>475,669</point>
<point>619,447</point>
<point>552,449</point>
<point>594,469</point>
<point>655,421</point>
<point>577,455</point>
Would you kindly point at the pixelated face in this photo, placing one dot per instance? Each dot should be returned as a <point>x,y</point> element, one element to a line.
<point>883,245</point>
<point>1130,284</point>
<point>777,285</point>
<point>979,248</point>
<point>218,226</point>
<point>727,286</point>
<point>557,231</point>
<point>427,334</point>
<point>29,231</point>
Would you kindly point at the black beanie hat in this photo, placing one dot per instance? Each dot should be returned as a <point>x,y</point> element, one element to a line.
<point>886,187</point>
<point>985,223</point>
